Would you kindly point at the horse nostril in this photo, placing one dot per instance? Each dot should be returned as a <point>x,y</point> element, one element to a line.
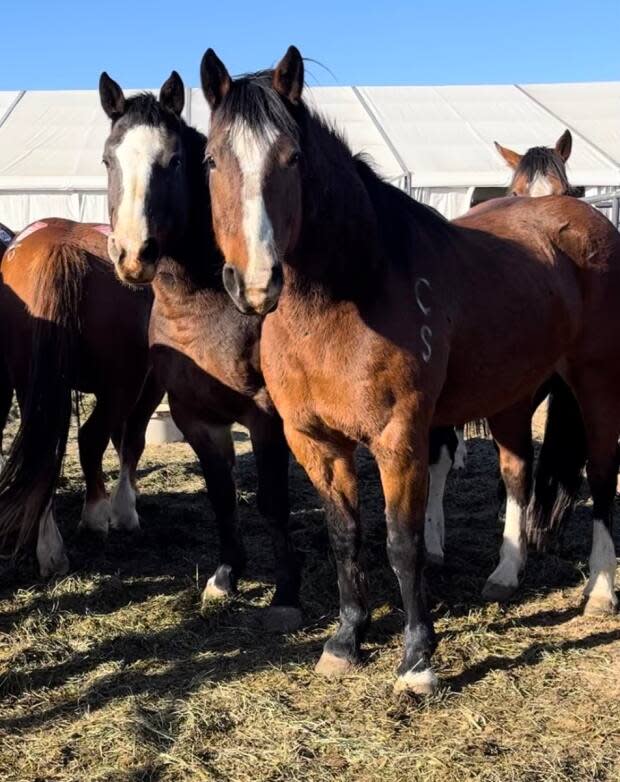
<point>277,276</point>
<point>149,252</point>
<point>231,280</point>
<point>121,257</point>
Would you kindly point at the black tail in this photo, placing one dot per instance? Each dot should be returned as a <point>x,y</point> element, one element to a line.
<point>559,469</point>
<point>34,463</point>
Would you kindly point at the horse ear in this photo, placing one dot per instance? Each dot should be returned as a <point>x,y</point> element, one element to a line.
<point>288,77</point>
<point>172,94</point>
<point>512,158</point>
<point>214,78</point>
<point>111,97</point>
<point>564,145</point>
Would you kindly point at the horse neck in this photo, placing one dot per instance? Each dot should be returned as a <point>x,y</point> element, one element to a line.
<point>337,253</point>
<point>194,257</point>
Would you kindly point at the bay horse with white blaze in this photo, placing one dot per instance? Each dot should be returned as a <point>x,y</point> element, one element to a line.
<point>203,352</point>
<point>383,319</point>
<point>66,323</point>
<point>541,171</point>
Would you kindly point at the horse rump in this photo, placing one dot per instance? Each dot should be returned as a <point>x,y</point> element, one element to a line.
<point>34,460</point>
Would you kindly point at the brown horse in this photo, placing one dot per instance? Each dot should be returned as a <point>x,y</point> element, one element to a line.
<point>202,350</point>
<point>66,323</point>
<point>540,171</point>
<point>384,319</point>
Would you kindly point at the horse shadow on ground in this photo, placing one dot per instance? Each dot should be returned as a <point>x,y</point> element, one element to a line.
<point>177,551</point>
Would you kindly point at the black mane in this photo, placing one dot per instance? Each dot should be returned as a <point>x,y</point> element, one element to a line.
<point>252,97</point>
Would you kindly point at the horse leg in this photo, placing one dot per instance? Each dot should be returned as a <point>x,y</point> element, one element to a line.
<point>601,416</point>
<point>460,454</point>
<point>331,468</point>
<point>272,456</point>
<point>213,445</point>
<point>130,449</point>
<point>512,430</point>
<point>51,555</point>
<point>93,439</point>
<point>403,465</point>
<point>442,455</point>
<point>6,398</point>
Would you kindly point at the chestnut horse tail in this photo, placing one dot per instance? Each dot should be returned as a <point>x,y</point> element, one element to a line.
<point>34,461</point>
<point>560,465</point>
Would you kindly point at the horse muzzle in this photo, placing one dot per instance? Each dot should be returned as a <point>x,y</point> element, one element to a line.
<point>136,268</point>
<point>253,299</point>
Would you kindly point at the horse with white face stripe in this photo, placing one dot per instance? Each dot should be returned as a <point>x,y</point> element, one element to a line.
<point>204,353</point>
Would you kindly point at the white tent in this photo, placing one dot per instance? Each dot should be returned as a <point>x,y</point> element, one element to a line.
<point>435,142</point>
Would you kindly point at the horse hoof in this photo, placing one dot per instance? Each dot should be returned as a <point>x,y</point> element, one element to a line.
<point>599,606</point>
<point>418,682</point>
<point>282,619</point>
<point>56,566</point>
<point>96,517</point>
<point>126,521</point>
<point>332,666</point>
<point>213,592</point>
<point>436,560</point>
<point>494,592</point>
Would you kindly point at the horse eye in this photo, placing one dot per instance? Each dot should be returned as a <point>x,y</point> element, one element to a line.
<point>175,161</point>
<point>106,162</point>
<point>210,162</point>
<point>293,159</point>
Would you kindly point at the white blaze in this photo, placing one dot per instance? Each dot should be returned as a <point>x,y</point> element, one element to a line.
<point>140,148</point>
<point>252,153</point>
<point>540,186</point>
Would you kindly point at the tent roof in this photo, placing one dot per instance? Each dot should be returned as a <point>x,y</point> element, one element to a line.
<point>441,136</point>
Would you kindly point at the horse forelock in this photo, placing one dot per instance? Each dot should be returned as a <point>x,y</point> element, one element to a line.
<point>540,163</point>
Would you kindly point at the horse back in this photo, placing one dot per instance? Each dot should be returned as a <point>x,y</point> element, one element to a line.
<point>59,271</point>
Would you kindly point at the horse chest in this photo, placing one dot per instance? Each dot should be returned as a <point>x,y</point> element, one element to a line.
<point>320,383</point>
<point>202,357</point>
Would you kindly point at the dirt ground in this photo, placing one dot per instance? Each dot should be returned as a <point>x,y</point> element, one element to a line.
<point>111,674</point>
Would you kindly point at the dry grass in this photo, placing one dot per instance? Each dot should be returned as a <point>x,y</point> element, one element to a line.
<point>111,674</point>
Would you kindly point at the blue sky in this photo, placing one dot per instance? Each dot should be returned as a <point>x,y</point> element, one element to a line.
<point>64,44</point>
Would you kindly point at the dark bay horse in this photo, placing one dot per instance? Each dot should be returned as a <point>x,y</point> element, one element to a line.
<point>383,319</point>
<point>66,322</point>
<point>203,352</point>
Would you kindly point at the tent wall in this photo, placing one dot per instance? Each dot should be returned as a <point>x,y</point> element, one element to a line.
<point>434,142</point>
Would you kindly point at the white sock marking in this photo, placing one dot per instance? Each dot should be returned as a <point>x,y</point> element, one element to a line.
<point>434,529</point>
<point>124,513</point>
<point>460,455</point>
<point>96,515</point>
<point>513,553</point>
<point>602,565</point>
<point>50,547</point>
